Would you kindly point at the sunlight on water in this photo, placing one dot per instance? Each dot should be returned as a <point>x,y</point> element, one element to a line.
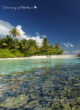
<point>41,84</point>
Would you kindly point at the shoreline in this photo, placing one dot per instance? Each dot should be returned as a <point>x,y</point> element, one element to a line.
<point>42,57</point>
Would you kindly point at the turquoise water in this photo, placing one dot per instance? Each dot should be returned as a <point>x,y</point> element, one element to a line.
<point>11,66</point>
<point>40,84</point>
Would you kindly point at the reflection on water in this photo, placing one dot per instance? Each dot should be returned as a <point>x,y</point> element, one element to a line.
<point>44,88</point>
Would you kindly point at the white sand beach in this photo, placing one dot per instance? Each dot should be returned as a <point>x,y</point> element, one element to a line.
<point>41,57</point>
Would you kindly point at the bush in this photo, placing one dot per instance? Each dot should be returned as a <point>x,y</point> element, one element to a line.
<point>9,53</point>
<point>78,54</point>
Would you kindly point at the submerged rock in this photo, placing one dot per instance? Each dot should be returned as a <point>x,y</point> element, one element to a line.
<point>32,104</point>
<point>14,102</point>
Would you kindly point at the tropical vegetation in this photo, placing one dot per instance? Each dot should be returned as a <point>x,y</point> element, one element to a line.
<point>78,54</point>
<point>10,46</point>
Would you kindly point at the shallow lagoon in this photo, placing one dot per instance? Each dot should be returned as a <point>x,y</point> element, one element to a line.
<point>40,84</point>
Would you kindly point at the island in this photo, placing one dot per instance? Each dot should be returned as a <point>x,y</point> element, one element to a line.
<point>11,46</point>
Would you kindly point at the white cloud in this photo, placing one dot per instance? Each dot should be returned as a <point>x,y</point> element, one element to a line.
<point>75,51</point>
<point>5,27</point>
<point>22,33</point>
<point>27,37</point>
<point>68,45</point>
<point>71,52</point>
<point>44,36</point>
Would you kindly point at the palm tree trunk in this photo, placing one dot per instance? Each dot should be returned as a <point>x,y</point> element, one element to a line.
<point>15,41</point>
<point>15,45</point>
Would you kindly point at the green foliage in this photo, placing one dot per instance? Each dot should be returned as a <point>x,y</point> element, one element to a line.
<point>57,46</point>
<point>10,47</point>
<point>45,45</point>
<point>14,32</point>
<point>5,53</point>
<point>78,54</point>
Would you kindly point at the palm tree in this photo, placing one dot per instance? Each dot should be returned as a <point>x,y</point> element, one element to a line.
<point>23,45</point>
<point>33,48</point>
<point>57,46</point>
<point>45,44</point>
<point>15,34</point>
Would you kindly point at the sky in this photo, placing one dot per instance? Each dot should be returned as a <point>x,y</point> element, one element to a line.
<point>58,20</point>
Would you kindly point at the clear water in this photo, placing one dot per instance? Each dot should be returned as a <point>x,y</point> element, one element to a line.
<point>11,66</point>
<point>40,84</point>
